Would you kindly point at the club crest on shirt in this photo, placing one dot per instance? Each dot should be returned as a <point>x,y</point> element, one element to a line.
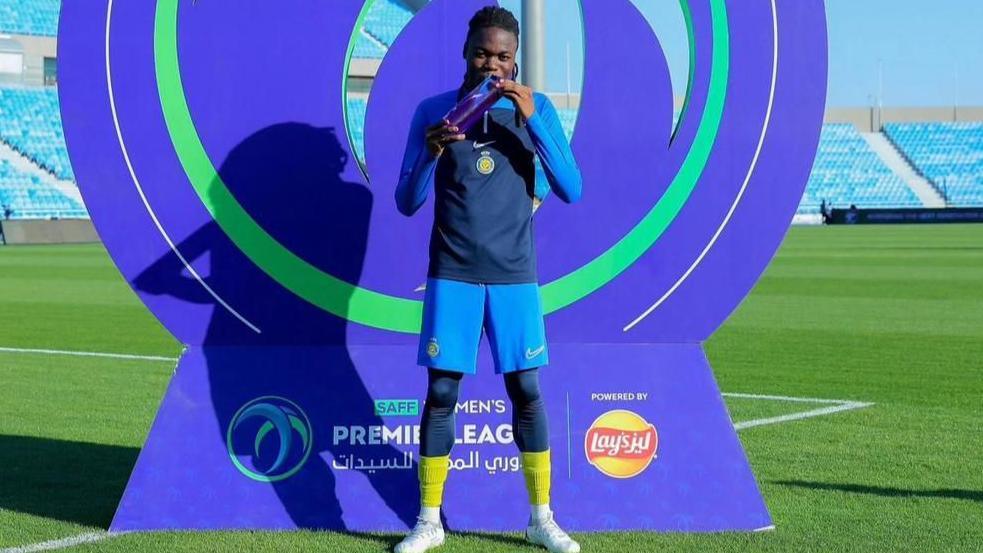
<point>433,350</point>
<point>485,164</point>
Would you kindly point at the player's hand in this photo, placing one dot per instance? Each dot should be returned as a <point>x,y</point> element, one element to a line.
<point>440,135</point>
<point>520,95</point>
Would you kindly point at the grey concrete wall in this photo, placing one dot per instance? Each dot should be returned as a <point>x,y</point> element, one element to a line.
<point>36,48</point>
<point>40,46</point>
<point>911,115</point>
<point>862,118</point>
<point>363,68</point>
<point>60,231</point>
<point>871,119</point>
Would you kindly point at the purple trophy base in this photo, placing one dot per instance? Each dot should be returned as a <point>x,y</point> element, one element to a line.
<point>337,446</point>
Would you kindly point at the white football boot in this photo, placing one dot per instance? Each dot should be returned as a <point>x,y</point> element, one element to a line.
<point>425,536</point>
<point>548,534</point>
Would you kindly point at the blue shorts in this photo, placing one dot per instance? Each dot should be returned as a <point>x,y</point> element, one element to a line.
<point>455,313</point>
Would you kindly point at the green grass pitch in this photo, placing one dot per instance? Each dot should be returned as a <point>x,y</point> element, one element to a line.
<point>888,315</point>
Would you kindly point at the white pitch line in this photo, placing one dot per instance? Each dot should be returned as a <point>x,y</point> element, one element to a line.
<point>59,544</point>
<point>785,398</point>
<point>833,406</point>
<point>803,415</point>
<point>88,354</point>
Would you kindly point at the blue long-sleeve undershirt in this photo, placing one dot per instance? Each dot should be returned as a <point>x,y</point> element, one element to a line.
<point>417,170</point>
<point>554,152</point>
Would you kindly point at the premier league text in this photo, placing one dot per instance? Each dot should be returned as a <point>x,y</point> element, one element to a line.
<point>410,434</point>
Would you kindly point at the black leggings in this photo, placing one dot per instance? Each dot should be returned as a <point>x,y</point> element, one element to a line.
<point>528,412</point>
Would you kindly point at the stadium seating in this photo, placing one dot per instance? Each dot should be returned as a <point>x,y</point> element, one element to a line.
<point>949,154</point>
<point>32,198</point>
<point>356,125</point>
<point>367,48</point>
<point>29,17</point>
<point>568,117</point>
<point>30,122</point>
<point>382,23</point>
<point>385,19</point>
<point>847,171</point>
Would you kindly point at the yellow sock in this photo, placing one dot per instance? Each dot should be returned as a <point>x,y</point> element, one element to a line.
<point>536,469</point>
<point>433,474</point>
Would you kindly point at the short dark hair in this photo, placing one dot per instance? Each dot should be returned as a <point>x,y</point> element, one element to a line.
<point>493,16</point>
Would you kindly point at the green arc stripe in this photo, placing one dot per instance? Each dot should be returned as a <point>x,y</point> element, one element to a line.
<point>383,311</point>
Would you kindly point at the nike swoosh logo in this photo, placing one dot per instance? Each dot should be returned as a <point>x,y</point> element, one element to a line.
<point>531,353</point>
<point>478,145</point>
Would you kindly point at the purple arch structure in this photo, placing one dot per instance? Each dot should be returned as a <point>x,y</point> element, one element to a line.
<point>244,224</point>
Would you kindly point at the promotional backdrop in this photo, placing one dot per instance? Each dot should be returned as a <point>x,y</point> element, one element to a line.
<point>209,140</point>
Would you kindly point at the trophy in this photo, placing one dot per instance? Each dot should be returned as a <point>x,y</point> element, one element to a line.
<point>470,108</point>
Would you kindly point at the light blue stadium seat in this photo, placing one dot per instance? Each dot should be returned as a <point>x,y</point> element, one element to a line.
<point>32,198</point>
<point>382,24</point>
<point>29,17</point>
<point>30,122</point>
<point>385,20</point>
<point>847,171</point>
<point>366,48</point>
<point>948,154</point>
<point>356,126</point>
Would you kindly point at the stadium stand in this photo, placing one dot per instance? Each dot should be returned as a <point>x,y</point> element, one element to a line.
<point>950,155</point>
<point>382,23</point>
<point>32,198</point>
<point>30,122</point>
<point>385,19</point>
<point>847,171</point>
<point>29,17</point>
<point>356,125</point>
<point>367,48</point>
<point>568,118</point>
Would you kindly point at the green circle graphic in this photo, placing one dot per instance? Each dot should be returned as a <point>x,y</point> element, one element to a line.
<point>383,311</point>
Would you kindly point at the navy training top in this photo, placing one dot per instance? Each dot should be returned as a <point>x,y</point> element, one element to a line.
<point>484,188</point>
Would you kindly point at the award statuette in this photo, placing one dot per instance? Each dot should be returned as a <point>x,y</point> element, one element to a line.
<point>470,108</point>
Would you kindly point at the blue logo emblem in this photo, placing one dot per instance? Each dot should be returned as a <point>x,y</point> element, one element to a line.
<point>270,458</point>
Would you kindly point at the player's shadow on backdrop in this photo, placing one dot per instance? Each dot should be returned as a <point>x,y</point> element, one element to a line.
<point>288,177</point>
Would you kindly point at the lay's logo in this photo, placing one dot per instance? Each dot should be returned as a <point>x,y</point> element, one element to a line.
<point>621,443</point>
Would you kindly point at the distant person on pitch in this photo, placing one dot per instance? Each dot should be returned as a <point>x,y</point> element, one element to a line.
<point>482,272</point>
